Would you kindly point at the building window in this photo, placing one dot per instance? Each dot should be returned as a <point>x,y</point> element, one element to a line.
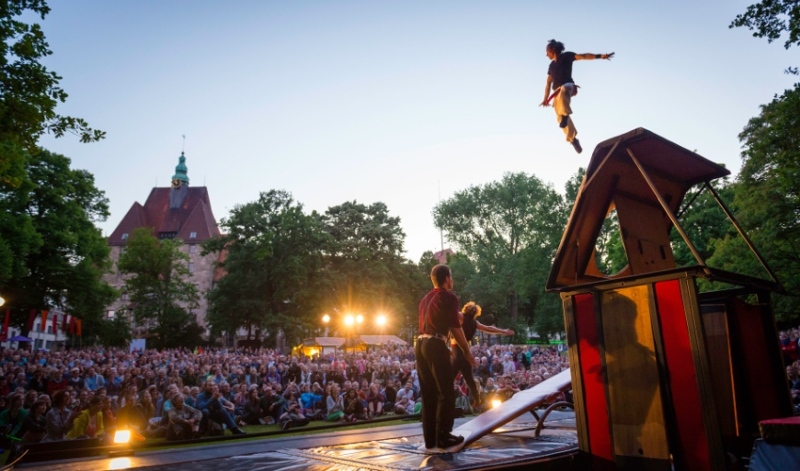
<point>49,329</point>
<point>192,248</point>
<point>124,296</point>
<point>191,267</point>
<point>111,314</point>
<point>121,251</point>
<point>125,236</point>
<point>38,327</point>
<point>193,235</point>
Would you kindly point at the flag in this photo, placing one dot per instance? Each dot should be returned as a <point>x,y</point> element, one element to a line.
<point>4,333</point>
<point>44,321</point>
<point>72,325</point>
<point>31,318</point>
<point>78,325</point>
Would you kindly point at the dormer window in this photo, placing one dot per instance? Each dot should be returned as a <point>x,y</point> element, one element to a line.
<point>193,235</point>
<point>125,236</point>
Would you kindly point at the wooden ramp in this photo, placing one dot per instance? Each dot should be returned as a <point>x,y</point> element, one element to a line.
<point>520,403</point>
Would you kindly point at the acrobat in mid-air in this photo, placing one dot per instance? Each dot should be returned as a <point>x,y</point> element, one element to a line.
<point>559,78</point>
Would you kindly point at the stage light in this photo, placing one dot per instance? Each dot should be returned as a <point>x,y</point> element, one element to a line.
<point>349,319</point>
<point>380,320</point>
<point>326,318</point>
<point>122,437</point>
<point>119,463</point>
<point>496,403</point>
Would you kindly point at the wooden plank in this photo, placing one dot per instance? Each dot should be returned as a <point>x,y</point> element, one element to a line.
<point>634,391</point>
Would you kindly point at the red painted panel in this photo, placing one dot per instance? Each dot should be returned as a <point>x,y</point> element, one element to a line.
<point>760,380</point>
<point>683,377</point>
<point>594,383</point>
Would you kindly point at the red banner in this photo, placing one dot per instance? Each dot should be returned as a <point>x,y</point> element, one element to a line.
<point>4,333</point>
<point>31,318</point>
<point>78,322</point>
<point>72,325</point>
<point>44,321</point>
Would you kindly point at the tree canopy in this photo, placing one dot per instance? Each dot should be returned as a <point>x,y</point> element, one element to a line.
<point>51,253</point>
<point>506,233</point>
<point>158,289</point>
<point>29,92</point>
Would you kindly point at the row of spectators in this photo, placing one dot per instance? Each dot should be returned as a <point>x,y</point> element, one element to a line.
<point>48,396</point>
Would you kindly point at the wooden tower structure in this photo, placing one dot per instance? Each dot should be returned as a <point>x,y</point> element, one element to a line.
<point>664,376</point>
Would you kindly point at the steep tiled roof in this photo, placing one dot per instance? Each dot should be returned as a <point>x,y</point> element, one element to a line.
<point>194,215</point>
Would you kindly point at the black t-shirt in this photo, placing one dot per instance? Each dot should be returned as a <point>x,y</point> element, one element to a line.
<point>561,69</point>
<point>470,326</point>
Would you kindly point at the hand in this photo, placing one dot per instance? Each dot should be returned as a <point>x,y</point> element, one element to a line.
<point>609,56</point>
<point>509,332</point>
<point>545,103</point>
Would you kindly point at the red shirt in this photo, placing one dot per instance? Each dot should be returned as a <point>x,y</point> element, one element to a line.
<point>438,312</point>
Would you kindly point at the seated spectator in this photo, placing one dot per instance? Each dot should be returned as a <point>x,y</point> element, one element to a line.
<point>293,417</point>
<point>89,423</point>
<point>11,420</point>
<point>216,408</point>
<point>34,426</point>
<point>56,382</point>
<point>57,418</point>
<point>353,407</point>
<point>375,401</point>
<point>271,405</point>
<point>335,404</point>
<point>404,403</point>
<point>184,420</point>
<point>93,380</point>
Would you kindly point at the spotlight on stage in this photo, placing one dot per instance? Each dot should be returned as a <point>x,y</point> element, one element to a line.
<point>122,437</point>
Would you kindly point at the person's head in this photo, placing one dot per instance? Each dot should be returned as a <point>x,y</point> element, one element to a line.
<point>39,407</point>
<point>554,48</point>
<point>471,309</point>
<point>177,400</point>
<point>60,398</point>
<point>95,405</point>
<point>441,277</point>
<point>15,402</point>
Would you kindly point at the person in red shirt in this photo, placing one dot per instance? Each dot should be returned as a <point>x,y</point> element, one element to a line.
<point>439,315</point>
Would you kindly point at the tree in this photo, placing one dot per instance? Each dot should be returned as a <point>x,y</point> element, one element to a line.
<point>767,199</point>
<point>272,263</point>
<point>29,93</point>
<point>162,299</point>
<point>364,260</point>
<point>509,230</point>
<point>771,19</point>
<point>51,253</point>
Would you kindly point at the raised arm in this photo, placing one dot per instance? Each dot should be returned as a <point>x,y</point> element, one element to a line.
<point>588,56</point>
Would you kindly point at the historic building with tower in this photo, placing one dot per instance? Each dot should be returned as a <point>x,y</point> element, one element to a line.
<point>179,211</point>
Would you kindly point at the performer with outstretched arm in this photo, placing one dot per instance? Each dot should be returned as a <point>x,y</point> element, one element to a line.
<point>559,78</point>
<point>470,325</point>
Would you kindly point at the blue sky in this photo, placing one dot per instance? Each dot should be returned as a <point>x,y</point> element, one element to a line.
<point>390,101</point>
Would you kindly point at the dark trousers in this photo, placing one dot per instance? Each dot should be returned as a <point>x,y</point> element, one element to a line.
<point>436,383</point>
<point>461,364</point>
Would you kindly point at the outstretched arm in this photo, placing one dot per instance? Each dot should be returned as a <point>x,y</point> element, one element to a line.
<point>494,330</point>
<point>588,56</point>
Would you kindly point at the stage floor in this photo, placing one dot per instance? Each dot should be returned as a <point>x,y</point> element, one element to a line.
<point>384,448</point>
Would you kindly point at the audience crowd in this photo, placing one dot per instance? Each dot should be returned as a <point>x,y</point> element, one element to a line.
<point>180,394</point>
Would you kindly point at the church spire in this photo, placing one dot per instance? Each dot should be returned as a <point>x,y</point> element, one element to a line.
<point>181,177</point>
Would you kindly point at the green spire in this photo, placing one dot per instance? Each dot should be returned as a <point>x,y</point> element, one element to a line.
<point>180,171</point>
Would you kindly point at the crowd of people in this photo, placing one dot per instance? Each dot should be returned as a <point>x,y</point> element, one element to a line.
<point>181,394</point>
<point>790,348</point>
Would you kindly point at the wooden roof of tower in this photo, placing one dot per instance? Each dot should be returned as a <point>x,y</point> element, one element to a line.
<point>619,176</point>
